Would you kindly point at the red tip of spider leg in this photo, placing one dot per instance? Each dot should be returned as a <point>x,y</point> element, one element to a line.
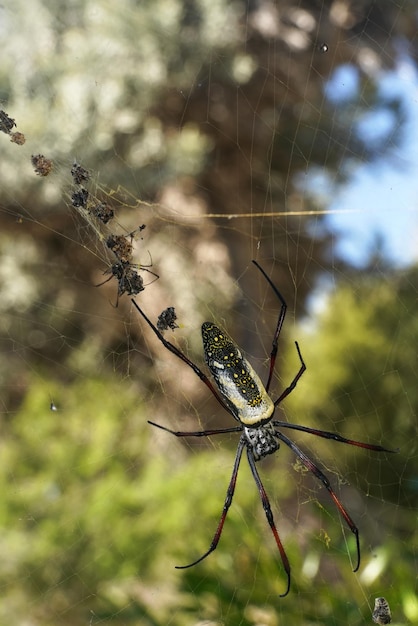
<point>285,561</point>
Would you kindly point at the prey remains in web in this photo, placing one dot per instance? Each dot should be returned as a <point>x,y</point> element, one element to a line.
<point>240,391</point>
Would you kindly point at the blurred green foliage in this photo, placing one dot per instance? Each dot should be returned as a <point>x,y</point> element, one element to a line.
<point>362,353</point>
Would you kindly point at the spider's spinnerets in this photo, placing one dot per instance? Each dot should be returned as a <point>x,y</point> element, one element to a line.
<point>239,384</point>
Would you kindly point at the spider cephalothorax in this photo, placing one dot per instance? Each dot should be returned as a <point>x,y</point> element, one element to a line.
<point>241,393</point>
<point>262,440</point>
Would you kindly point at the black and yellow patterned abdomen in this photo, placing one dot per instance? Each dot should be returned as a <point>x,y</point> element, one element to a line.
<point>240,386</point>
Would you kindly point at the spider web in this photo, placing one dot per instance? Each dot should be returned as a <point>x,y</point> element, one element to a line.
<point>216,133</point>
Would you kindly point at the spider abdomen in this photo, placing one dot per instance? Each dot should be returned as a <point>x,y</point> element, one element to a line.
<point>240,386</point>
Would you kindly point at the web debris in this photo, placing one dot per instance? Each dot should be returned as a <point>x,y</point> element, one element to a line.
<point>167,319</point>
<point>98,212</point>
<point>381,613</point>
<point>6,125</point>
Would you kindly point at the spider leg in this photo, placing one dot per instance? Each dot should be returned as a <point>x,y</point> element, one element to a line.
<point>144,268</point>
<point>273,354</point>
<point>270,519</point>
<point>115,306</point>
<point>280,320</point>
<point>334,436</point>
<point>228,501</point>
<point>294,382</point>
<point>179,354</point>
<point>310,465</point>
<point>198,433</point>
<point>105,281</point>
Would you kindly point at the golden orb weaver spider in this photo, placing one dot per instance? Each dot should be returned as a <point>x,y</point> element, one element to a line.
<point>242,394</point>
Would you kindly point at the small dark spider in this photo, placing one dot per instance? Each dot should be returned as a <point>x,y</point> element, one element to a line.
<point>129,280</point>
<point>242,394</point>
<point>167,319</point>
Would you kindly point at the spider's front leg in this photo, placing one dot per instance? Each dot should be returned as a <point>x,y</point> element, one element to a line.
<point>197,433</point>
